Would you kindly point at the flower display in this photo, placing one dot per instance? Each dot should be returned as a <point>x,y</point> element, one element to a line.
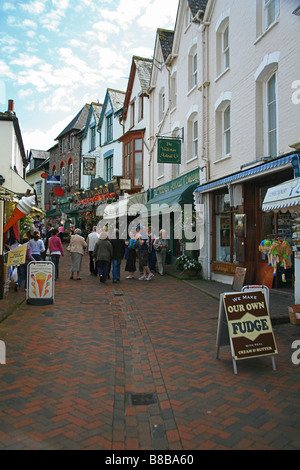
<point>96,200</point>
<point>192,265</point>
<point>184,263</point>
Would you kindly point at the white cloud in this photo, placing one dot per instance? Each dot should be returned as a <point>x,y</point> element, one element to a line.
<point>30,24</point>
<point>34,8</point>
<point>26,61</point>
<point>44,139</point>
<point>5,70</point>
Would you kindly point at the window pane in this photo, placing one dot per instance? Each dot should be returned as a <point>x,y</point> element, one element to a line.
<point>138,144</point>
<point>138,169</point>
<point>223,237</point>
<point>272,116</point>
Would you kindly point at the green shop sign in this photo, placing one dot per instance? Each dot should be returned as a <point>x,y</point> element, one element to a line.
<point>169,151</point>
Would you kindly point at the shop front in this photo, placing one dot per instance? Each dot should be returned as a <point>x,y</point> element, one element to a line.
<point>171,206</point>
<point>283,201</point>
<point>235,223</point>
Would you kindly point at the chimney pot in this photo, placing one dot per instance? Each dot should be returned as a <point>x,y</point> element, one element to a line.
<point>11,106</point>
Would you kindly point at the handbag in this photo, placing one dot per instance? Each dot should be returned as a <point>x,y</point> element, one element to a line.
<point>14,275</point>
<point>69,247</point>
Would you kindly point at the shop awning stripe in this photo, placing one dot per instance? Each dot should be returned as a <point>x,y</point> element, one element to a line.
<point>245,173</point>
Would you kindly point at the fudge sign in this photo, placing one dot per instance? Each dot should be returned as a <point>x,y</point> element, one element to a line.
<point>249,324</point>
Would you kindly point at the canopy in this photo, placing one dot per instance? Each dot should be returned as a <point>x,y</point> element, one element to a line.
<point>176,198</point>
<point>121,207</point>
<point>284,197</point>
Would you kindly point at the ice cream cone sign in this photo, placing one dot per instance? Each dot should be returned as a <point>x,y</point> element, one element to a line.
<point>22,209</point>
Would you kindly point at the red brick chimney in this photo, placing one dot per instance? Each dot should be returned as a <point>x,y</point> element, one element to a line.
<point>11,106</point>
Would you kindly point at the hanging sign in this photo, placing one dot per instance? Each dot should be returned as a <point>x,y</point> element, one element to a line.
<point>168,151</point>
<point>89,166</point>
<point>40,283</point>
<point>245,316</point>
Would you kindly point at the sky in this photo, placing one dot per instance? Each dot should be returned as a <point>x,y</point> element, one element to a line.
<point>57,55</point>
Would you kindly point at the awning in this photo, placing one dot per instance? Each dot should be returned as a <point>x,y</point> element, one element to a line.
<point>251,173</point>
<point>284,197</point>
<point>176,198</point>
<point>122,207</point>
<point>15,183</point>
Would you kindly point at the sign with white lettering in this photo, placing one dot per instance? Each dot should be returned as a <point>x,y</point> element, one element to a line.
<point>245,316</point>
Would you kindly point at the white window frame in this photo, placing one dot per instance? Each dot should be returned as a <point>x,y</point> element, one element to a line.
<point>222,31</point>
<point>226,132</point>
<point>62,175</point>
<point>71,174</point>
<point>271,147</point>
<point>192,67</point>
<point>222,132</point>
<point>162,104</point>
<point>268,5</point>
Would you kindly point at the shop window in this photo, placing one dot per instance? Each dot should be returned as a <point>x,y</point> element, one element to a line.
<point>224,227</point>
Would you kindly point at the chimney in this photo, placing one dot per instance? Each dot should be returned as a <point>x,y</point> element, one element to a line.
<point>11,107</point>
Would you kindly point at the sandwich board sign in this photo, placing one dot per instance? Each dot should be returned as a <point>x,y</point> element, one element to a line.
<point>40,282</point>
<point>245,324</point>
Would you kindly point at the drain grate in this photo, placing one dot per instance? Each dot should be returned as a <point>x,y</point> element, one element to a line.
<point>139,399</point>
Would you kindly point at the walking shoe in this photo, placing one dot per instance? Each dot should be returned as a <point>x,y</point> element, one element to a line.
<point>142,278</point>
<point>149,277</point>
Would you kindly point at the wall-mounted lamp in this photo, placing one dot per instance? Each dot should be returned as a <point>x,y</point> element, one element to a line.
<point>2,180</point>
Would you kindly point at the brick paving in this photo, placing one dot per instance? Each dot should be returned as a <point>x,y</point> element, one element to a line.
<point>132,366</point>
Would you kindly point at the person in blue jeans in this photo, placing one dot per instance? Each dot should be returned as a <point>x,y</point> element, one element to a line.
<point>118,254</point>
<point>23,267</point>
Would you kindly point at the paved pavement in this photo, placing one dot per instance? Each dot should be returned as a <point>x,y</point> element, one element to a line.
<point>132,366</point>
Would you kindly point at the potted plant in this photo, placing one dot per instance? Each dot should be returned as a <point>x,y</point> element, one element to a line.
<point>192,267</point>
<point>180,262</point>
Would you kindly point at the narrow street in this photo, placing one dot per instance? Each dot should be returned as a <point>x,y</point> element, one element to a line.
<point>132,366</point>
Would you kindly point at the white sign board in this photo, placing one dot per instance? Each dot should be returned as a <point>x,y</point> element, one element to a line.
<point>40,282</point>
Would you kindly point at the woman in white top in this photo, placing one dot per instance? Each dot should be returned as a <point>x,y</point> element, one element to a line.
<point>37,246</point>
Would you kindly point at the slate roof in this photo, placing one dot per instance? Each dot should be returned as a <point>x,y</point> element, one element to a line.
<point>196,5</point>
<point>166,38</point>
<point>143,68</point>
<point>97,107</point>
<point>117,99</point>
<point>39,154</point>
<point>77,123</point>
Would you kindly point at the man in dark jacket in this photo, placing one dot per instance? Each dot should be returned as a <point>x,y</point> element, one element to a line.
<point>118,254</point>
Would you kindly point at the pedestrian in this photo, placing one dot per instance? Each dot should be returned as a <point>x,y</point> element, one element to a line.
<point>160,246</point>
<point>92,238</point>
<point>152,254</point>
<point>23,267</point>
<point>76,247</point>
<point>118,245</point>
<point>131,256</point>
<point>61,232</point>
<point>56,250</point>
<point>48,234</point>
<point>37,246</point>
<point>102,254</point>
<point>42,231</point>
<point>143,245</point>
